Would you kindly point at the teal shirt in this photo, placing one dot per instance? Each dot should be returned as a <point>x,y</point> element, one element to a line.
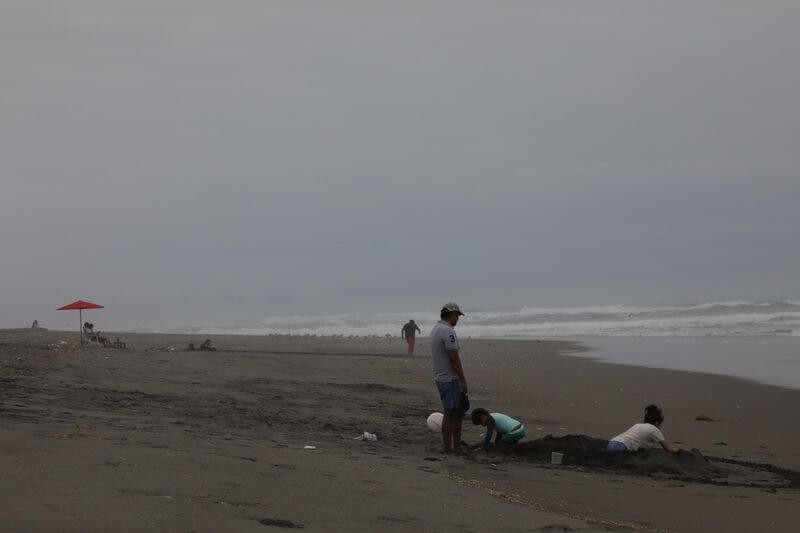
<point>503,423</point>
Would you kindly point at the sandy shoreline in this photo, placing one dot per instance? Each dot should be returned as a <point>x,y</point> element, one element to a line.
<point>165,440</point>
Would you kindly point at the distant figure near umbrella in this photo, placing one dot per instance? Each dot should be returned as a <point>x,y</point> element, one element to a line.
<point>80,305</point>
<point>95,336</point>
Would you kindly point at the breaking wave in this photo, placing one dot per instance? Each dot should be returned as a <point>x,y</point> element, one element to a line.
<point>731,318</point>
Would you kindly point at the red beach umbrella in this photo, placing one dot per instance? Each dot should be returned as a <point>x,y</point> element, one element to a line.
<point>80,305</point>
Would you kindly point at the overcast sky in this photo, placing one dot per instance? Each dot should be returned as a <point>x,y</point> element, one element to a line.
<point>209,161</point>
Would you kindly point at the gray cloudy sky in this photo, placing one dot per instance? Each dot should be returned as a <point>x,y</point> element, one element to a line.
<point>214,161</point>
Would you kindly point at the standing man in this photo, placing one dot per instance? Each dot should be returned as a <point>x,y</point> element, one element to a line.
<point>409,333</point>
<point>449,376</point>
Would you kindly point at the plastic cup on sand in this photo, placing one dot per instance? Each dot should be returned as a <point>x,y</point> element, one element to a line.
<point>555,458</point>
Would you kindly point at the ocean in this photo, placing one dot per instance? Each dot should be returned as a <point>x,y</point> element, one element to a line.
<point>770,359</point>
<point>735,318</point>
<point>759,341</point>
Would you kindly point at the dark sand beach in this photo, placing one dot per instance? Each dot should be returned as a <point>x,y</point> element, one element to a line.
<point>156,438</point>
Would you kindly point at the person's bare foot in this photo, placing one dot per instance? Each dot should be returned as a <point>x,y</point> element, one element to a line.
<point>454,451</point>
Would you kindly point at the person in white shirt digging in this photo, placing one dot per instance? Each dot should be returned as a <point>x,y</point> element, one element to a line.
<point>646,435</point>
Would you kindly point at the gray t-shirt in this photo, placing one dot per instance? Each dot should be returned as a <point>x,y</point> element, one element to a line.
<point>443,338</point>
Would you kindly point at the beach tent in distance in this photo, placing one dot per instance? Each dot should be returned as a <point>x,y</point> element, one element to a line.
<point>80,305</point>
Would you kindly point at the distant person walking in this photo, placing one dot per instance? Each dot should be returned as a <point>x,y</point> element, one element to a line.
<point>449,376</point>
<point>409,333</point>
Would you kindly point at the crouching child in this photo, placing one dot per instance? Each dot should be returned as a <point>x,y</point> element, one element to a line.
<point>509,430</point>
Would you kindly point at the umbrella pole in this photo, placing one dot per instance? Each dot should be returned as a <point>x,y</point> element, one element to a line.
<point>80,325</point>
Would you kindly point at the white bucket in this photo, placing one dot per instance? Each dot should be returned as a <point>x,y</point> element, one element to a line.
<point>555,458</point>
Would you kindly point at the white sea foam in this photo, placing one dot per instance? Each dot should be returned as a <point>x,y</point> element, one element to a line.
<point>780,318</point>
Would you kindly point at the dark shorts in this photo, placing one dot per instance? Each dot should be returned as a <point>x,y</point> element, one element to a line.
<point>450,392</point>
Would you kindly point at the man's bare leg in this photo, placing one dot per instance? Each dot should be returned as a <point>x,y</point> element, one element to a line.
<point>447,432</point>
<point>456,429</point>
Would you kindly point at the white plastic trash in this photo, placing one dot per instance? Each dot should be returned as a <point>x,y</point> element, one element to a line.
<point>309,447</point>
<point>369,437</point>
<point>555,458</point>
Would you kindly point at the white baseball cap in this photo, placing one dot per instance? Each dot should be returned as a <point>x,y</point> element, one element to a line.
<point>452,307</point>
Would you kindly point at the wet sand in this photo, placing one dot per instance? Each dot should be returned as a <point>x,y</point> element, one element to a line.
<point>155,438</point>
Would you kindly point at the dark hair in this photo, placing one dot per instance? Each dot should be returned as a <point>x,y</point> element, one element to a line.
<point>653,415</point>
<point>477,413</point>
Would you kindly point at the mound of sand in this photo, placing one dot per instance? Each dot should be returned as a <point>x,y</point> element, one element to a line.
<point>582,450</point>
<point>688,465</point>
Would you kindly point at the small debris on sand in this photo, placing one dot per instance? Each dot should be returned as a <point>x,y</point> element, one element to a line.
<point>277,522</point>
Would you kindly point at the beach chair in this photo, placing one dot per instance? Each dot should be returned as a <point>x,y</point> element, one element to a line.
<point>91,338</point>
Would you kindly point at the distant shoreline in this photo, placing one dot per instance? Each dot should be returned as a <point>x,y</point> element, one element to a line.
<point>778,362</point>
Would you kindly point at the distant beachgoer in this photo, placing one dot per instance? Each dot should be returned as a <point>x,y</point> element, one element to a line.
<point>449,376</point>
<point>508,429</point>
<point>35,324</point>
<point>191,347</point>
<point>92,335</point>
<point>88,329</point>
<point>647,435</point>
<point>409,333</point>
<point>207,346</point>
